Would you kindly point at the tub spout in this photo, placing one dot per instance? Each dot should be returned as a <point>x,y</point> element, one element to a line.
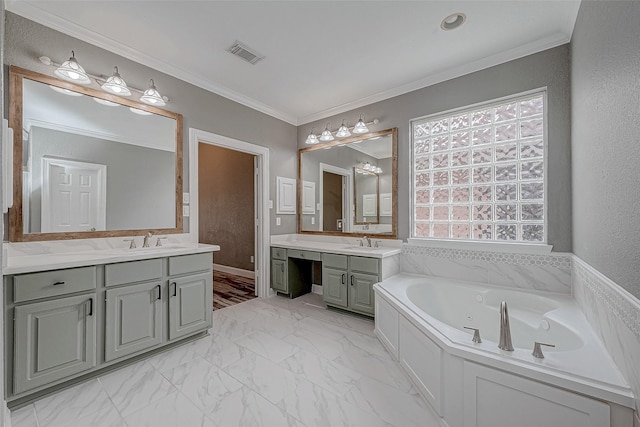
<point>505,329</point>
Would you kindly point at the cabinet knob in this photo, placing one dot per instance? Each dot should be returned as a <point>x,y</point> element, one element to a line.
<point>175,289</point>
<point>58,283</point>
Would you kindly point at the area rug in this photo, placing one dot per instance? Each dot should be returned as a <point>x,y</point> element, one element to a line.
<point>229,289</point>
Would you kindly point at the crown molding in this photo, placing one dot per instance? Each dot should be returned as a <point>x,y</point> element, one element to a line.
<point>36,14</point>
<point>552,41</point>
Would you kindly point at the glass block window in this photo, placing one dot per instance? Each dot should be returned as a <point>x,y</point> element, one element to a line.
<point>479,174</point>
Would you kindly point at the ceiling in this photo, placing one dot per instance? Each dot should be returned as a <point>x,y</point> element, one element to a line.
<point>321,57</point>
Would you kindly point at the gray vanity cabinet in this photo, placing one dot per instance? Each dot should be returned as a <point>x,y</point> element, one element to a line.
<point>347,282</point>
<point>133,319</point>
<point>54,339</point>
<point>190,304</point>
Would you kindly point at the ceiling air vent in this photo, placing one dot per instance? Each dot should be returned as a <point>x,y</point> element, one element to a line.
<point>243,51</point>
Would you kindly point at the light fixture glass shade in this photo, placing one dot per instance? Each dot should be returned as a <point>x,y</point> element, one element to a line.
<point>115,84</point>
<point>360,127</point>
<point>343,131</point>
<point>140,112</point>
<point>326,134</point>
<point>65,91</point>
<point>71,71</point>
<point>105,102</point>
<point>151,96</point>
<point>312,139</point>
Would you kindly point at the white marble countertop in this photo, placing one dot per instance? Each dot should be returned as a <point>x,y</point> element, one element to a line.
<point>338,245</point>
<point>56,261</point>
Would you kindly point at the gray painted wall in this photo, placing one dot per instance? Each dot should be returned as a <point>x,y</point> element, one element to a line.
<point>605,84</point>
<point>549,68</point>
<point>201,109</point>
<point>140,181</point>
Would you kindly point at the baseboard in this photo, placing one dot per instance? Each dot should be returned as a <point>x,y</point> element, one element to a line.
<point>236,271</point>
<point>7,415</point>
<point>636,419</point>
<point>316,289</point>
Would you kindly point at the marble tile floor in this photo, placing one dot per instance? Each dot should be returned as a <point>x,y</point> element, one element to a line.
<point>275,362</point>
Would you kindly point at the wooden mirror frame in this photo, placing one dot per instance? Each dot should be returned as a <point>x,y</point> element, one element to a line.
<point>394,187</point>
<point>16,77</point>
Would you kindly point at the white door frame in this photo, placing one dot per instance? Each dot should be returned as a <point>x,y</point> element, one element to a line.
<point>347,195</point>
<point>262,235</point>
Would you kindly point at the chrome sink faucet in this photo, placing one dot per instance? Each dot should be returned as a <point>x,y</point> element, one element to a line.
<point>368,240</point>
<point>147,237</point>
<point>505,329</point>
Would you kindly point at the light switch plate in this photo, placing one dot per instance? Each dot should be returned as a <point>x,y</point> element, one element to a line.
<point>278,222</point>
<point>313,220</point>
<point>186,211</point>
<point>270,204</point>
<point>185,198</point>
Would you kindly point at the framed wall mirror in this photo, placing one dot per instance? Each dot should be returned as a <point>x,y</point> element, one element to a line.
<point>90,164</point>
<point>349,187</point>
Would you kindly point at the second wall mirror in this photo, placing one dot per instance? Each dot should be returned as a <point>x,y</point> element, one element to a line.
<point>350,186</point>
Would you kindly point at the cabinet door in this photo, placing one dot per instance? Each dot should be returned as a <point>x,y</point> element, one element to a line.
<point>361,292</point>
<point>53,340</point>
<point>190,304</point>
<point>133,319</point>
<point>279,276</point>
<point>334,286</point>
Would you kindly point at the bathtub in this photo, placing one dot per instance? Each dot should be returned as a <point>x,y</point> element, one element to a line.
<point>421,320</point>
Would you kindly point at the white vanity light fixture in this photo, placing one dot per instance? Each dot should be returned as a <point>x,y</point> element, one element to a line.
<point>361,127</point>
<point>312,139</point>
<point>326,134</point>
<point>453,21</point>
<point>151,96</point>
<point>343,131</point>
<point>71,71</point>
<point>115,84</point>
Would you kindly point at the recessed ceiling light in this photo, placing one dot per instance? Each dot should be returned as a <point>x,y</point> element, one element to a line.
<point>453,21</point>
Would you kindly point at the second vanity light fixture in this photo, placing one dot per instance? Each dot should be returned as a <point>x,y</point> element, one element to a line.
<point>343,131</point>
<point>72,71</point>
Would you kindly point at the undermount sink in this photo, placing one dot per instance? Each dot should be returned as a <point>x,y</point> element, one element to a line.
<point>361,248</point>
<point>150,249</point>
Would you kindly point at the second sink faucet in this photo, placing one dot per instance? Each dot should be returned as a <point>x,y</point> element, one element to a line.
<point>505,329</point>
<point>147,237</point>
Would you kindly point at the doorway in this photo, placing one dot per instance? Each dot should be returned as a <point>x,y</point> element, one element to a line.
<point>226,212</point>
<point>336,194</point>
<point>260,226</point>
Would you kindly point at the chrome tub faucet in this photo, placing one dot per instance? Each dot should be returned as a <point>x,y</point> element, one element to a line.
<point>147,237</point>
<point>505,330</point>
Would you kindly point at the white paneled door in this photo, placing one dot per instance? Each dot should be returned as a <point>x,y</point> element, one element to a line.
<point>74,196</point>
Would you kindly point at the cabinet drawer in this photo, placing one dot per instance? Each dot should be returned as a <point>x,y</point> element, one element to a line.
<point>364,264</point>
<point>279,253</point>
<point>190,263</point>
<point>133,271</point>
<point>296,253</point>
<point>32,286</point>
<point>335,261</point>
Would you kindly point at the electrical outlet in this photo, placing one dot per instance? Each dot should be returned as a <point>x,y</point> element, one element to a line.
<point>185,198</point>
<point>313,220</point>
<point>278,222</point>
<point>270,204</point>
<point>251,259</point>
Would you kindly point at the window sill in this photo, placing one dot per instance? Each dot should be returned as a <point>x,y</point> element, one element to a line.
<point>503,247</point>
